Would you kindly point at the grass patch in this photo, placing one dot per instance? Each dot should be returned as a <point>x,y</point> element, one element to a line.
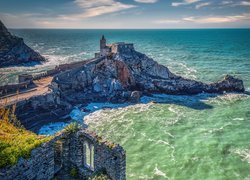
<point>15,141</point>
<point>100,177</point>
<point>72,128</point>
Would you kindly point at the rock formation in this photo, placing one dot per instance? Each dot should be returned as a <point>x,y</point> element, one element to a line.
<point>123,74</point>
<point>13,51</point>
<point>118,74</point>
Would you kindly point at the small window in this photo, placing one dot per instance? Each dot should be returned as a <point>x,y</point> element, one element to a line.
<point>88,155</point>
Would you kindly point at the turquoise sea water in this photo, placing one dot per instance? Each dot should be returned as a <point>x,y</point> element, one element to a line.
<point>179,137</point>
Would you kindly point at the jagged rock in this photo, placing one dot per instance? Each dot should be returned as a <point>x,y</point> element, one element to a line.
<point>135,96</point>
<point>13,51</point>
<point>124,70</point>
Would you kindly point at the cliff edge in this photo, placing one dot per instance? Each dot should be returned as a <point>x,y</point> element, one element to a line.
<point>13,51</point>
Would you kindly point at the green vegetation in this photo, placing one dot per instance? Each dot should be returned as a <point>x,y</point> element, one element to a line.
<point>15,141</point>
<point>111,145</point>
<point>72,128</point>
<point>100,175</point>
<point>73,172</point>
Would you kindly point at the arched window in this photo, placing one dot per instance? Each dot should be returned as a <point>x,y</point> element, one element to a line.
<point>88,155</point>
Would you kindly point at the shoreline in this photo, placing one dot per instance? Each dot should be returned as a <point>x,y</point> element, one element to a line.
<point>85,110</point>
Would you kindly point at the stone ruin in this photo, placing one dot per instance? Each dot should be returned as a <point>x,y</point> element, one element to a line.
<point>107,49</point>
<point>82,150</point>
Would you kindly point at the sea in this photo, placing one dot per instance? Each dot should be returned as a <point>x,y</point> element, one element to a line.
<point>204,136</point>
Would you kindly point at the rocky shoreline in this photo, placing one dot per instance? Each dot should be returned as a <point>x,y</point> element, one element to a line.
<point>124,75</point>
<point>119,75</point>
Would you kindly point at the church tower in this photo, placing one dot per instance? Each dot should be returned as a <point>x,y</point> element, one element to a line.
<point>102,43</point>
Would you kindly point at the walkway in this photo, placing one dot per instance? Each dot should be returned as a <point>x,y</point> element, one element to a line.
<point>41,87</point>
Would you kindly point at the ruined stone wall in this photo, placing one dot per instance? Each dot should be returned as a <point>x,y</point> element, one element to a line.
<point>118,47</point>
<point>106,156</point>
<point>67,151</point>
<point>39,166</point>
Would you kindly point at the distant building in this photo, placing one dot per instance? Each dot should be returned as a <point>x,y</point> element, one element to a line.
<point>107,49</point>
<point>104,48</point>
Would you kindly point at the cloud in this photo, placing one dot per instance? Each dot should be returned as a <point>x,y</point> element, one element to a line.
<point>146,1</point>
<point>233,4</point>
<point>207,20</point>
<point>221,19</point>
<point>245,3</point>
<point>226,2</point>
<point>84,9</point>
<point>184,2</point>
<point>198,6</point>
<point>92,8</point>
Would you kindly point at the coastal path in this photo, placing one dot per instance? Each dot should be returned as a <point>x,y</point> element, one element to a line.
<point>41,87</point>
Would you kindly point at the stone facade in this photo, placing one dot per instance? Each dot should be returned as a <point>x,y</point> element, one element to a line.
<point>106,50</point>
<point>105,156</point>
<point>82,150</point>
<point>118,47</point>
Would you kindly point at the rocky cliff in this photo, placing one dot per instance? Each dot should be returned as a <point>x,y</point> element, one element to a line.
<point>127,74</point>
<point>13,51</point>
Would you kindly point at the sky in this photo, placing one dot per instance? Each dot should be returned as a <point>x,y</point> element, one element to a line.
<point>125,14</point>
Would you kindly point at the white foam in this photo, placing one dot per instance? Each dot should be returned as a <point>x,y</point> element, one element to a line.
<point>82,117</point>
<point>183,69</point>
<point>227,97</point>
<point>168,133</point>
<point>238,119</point>
<point>243,153</point>
<point>158,172</point>
<point>162,142</point>
<point>214,130</point>
<point>97,106</point>
<point>82,53</point>
<point>52,128</point>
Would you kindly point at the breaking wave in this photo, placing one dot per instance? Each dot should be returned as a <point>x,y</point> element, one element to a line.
<point>243,153</point>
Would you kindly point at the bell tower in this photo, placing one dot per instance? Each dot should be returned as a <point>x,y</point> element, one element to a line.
<point>102,43</point>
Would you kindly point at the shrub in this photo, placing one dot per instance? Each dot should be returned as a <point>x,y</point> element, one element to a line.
<point>72,128</point>
<point>73,172</point>
<point>100,175</point>
<point>111,145</point>
<point>15,141</point>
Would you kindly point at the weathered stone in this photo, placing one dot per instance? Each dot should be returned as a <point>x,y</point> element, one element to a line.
<point>135,96</point>
<point>13,51</point>
<point>121,70</point>
<point>66,151</point>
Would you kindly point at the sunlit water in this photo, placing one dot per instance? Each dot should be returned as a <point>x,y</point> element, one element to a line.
<point>178,137</point>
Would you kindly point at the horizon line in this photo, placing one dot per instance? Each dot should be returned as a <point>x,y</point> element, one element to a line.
<point>132,28</point>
